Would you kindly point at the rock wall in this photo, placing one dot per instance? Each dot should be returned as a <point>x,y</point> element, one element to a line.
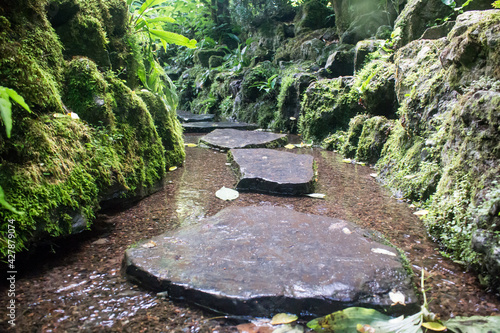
<point>389,86</point>
<point>77,56</point>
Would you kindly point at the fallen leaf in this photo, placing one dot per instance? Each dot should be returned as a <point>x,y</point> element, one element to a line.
<point>361,163</point>
<point>397,297</point>
<point>374,175</point>
<point>434,325</point>
<point>73,115</point>
<point>149,244</point>
<point>422,212</point>
<point>409,176</point>
<point>283,318</point>
<point>191,145</point>
<point>316,195</point>
<point>293,118</point>
<point>347,160</point>
<point>172,168</point>
<point>289,146</point>
<point>383,251</point>
<point>227,194</point>
<point>346,231</point>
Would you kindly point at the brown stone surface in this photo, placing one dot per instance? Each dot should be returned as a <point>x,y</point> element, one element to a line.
<point>264,260</point>
<point>208,126</point>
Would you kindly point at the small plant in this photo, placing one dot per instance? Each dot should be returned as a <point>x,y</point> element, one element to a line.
<point>6,94</point>
<point>496,4</point>
<point>457,9</point>
<point>268,85</point>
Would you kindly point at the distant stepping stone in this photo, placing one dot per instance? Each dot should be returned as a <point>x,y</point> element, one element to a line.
<point>230,138</point>
<point>273,171</point>
<point>260,261</point>
<point>205,127</point>
<point>189,117</point>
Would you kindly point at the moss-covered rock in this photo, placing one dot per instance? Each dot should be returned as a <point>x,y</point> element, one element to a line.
<point>202,57</point>
<point>375,132</point>
<point>355,129</point>
<point>314,14</point>
<point>327,106</point>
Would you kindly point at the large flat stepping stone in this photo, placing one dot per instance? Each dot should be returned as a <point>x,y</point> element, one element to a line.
<point>230,138</point>
<point>206,126</point>
<point>272,171</point>
<point>189,117</point>
<point>264,260</point>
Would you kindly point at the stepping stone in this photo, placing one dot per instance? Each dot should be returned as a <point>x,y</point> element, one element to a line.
<point>189,117</point>
<point>205,126</point>
<point>273,171</point>
<point>260,261</point>
<point>226,139</point>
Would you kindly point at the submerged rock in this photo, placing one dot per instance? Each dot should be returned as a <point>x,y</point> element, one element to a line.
<point>272,171</point>
<point>209,126</point>
<point>231,138</point>
<point>189,117</point>
<point>260,261</point>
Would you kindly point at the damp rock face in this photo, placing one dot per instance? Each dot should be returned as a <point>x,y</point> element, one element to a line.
<point>264,260</point>
<point>273,171</point>
<point>226,139</point>
<point>209,126</point>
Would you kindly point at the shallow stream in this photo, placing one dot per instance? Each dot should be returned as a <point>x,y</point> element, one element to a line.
<point>80,288</point>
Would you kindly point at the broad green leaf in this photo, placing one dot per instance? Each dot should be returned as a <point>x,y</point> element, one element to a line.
<point>6,111</point>
<point>150,3</point>
<point>17,98</point>
<point>6,205</point>
<point>346,321</point>
<point>172,38</point>
<point>434,325</point>
<point>475,324</point>
<point>161,19</point>
<point>283,318</point>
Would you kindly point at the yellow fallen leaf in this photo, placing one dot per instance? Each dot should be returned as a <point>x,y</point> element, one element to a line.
<point>172,168</point>
<point>347,160</point>
<point>149,244</point>
<point>191,145</point>
<point>289,146</point>
<point>361,163</point>
<point>422,212</point>
<point>293,118</point>
<point>283,318</point>
<point>434,325</point>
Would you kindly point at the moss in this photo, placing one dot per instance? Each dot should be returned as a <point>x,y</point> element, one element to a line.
<point>168,127</point>
<point>327,106</point>
<point>375,132</point>
<point>334,141</point>
<point>356,125</point>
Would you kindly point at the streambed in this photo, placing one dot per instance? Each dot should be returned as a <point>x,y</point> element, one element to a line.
<point>81,289</point>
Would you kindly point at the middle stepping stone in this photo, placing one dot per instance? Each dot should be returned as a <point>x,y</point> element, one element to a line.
<point>230,138</point>
<point>272,171</point>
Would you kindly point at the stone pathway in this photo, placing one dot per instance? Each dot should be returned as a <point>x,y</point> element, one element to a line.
<point>203,123</point>
<point>189,117</point>
<point>226,139</point>
<point>262,260</point>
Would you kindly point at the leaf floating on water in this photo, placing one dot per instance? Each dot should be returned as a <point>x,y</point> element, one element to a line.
<point>421,212</point>
<point>383,251</point>
<point>397,297</point>
<point>191,145</point>
<point>289,329</point>
<point>172,168</point>
<point>289,146</point>
<point>434,325</point>
<point>227,194</point>
<point>283,318</point>
<point>316,195</point>
<point>347,160</point>
<point>149,244</point>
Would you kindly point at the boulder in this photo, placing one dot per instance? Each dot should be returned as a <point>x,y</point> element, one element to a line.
<point>232,138</point>
<point>273,171</point>
<point>260,261</point>
<point>202,56</point>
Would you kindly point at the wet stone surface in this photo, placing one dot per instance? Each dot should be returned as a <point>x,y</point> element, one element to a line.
<point>189,117</point>
<point>259,261</point>
<point>207,126</point>
<point>272,171</point>
<point>225,139</point>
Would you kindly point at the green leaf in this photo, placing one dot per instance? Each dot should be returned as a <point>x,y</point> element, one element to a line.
<point>434,325</point>
<point>172,38</point>
<point>346,321</point>
<point>17,98</point>
<point>475,324</point>
<point>5,204</point>
<point>283,318</point>
<point>149,4</point>
<point>6,110</point>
